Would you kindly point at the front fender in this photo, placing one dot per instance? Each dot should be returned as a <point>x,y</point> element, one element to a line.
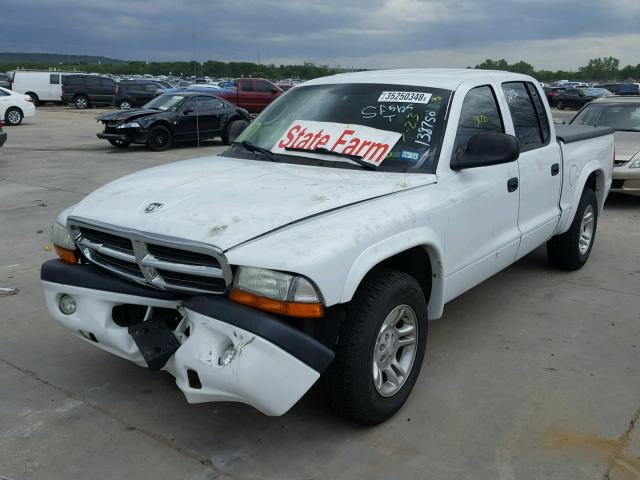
<point>418,237</point>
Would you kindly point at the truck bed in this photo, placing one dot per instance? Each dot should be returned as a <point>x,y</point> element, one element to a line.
<point>575,133</point>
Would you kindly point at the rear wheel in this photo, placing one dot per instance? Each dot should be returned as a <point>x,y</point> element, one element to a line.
<point>234,129</point>
<point>13,116</point>
<point>380,349</point>
<point>159,138</point>
<point>118,143</point>
<point>571,250</point>
<point>82,102</point>
<point>124,105</point>
<point>34,98</point>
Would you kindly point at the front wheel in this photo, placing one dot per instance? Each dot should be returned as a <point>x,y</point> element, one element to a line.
<point>571,250</point>
<point>159,138</point>
<point>124,105</point>
<point>380,349</point>
<point>234,129</point>
<point>34,99</point>
<point>13,116</point>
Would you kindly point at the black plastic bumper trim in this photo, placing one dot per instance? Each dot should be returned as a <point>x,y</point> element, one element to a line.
<point>89,276</point>
<point>305,348</point>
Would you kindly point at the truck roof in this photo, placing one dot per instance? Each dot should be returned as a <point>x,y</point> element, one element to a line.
<point>448,78</point>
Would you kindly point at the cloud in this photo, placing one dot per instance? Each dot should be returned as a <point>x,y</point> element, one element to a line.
<point>364,33</point>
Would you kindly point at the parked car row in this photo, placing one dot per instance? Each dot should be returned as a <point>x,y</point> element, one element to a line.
<point>88,90</point>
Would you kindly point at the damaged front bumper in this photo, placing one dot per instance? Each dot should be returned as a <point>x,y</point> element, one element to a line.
<point>134,135</point>
<point>223,351</point>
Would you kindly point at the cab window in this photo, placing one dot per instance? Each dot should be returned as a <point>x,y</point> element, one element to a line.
<point>480,113</point>
<point>246,85</point>
<point>527,122</point>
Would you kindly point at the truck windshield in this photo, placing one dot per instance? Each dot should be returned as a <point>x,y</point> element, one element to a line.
<point>165,102</point>
<point>623,117</point>
<point>393,127</point>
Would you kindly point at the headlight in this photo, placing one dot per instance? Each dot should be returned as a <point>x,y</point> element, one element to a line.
<point>129,125</point>
<point>277,292</point>
<point>635,164</point>
<point>63,243</point>
<point>60,236</point>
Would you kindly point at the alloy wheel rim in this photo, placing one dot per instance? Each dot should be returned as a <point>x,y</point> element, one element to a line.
<point>125,105</point>
<point>159,139</point>
<point>395,350</point>
<point>586,229</point>
<point>13,117</point>
<point>81,102</point>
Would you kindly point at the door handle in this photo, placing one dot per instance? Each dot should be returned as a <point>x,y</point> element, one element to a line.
<point>512,184</point>
<point>555,169</point>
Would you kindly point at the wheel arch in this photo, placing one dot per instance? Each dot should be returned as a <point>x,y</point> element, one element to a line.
<point>593,176</point>
<point>416,252</point>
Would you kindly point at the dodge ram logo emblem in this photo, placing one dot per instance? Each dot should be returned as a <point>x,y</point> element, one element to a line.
<point>153,207</point>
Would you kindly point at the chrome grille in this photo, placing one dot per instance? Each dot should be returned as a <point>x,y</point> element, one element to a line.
<point>162,262</point>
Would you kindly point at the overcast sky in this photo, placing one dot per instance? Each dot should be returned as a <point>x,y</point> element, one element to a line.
<point>550,34</point>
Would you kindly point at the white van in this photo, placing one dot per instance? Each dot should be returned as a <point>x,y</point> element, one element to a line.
<point>41,86</point>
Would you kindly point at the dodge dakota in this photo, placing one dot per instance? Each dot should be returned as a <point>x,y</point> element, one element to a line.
<point>320,244</point>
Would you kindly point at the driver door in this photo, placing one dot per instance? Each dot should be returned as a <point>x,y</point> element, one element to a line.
<point>482,234</point>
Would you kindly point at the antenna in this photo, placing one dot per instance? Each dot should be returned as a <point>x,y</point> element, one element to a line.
<point>195,74</point>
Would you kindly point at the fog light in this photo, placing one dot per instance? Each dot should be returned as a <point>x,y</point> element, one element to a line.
<point>67,304</point>
<point>228,355</point>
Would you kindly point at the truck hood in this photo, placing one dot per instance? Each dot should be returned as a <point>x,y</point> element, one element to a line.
<point>627,145</point>
<point>226,201</point>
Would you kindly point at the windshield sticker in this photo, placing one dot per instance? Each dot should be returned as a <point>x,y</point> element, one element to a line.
<point>405,97</point>
<point>409,155</point>
<point>371,144</point>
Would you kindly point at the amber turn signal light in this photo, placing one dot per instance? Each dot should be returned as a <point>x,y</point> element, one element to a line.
<point>290,309</point>
<point>67,256</point>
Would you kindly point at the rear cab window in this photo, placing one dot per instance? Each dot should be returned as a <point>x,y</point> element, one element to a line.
<point>54,79</point>
<point>529,116</point>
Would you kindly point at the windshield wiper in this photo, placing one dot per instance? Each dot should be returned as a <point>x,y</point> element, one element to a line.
<point>252,147</point>
<point>357,159</point>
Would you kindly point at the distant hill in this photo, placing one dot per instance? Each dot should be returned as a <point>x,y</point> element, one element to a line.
<point>54,58</point>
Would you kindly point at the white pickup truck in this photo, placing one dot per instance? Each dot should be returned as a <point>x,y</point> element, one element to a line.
<point>320,243</point>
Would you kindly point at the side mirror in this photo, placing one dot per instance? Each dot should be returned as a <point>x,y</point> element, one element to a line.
<point>274,91</point>
<point>187,111</point>
<point>486,149</point>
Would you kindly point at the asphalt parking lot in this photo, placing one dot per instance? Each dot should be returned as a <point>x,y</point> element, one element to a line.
<point>533,374</point>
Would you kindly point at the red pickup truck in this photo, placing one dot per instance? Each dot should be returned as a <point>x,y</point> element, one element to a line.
<point>252,94</point>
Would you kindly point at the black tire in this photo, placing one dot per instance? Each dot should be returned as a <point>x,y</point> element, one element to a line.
<point>234,129</point>
<point>34,99</point>
<point>124,104</point>
<point>119,143</point>
<point>82,102</point>
<point>348,383</point>
<point>159,138</point>
<point>13,116</point>
<point>564,251</point>
<point>560,105</point>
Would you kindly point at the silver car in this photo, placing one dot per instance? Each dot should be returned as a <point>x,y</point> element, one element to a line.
<point>623,115</point>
